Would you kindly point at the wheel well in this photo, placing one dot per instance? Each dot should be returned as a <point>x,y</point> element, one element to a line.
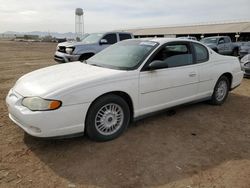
<point>229,77</point>
<point>86,56</point>
<point>216,50</point>
<point>236,48</point>
<point>123,95</point>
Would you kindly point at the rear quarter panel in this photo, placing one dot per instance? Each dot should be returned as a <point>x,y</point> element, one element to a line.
<point>226,64</point>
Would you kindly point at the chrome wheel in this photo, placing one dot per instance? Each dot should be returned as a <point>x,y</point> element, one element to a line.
<point>109,119</point>
<point>221,90</point>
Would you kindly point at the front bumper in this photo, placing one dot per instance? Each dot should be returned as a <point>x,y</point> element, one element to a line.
<point>65,58</point>
<point>66,120</point>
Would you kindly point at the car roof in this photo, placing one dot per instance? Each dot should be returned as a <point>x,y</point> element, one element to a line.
<point>164,40</point>
<point>216,37</point>
<point>119,32</point>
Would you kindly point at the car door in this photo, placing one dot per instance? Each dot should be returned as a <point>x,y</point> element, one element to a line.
<point>175,84</point>
<point>221,46</point>
<point>228,46</point>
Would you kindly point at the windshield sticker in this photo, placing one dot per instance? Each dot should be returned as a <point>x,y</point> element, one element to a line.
<point>148,43</point>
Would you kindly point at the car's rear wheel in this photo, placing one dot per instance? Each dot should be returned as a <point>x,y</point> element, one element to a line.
<point>235,52</point>
<point>220,91</point>
<point>85,56</point>
<point>107,118</point>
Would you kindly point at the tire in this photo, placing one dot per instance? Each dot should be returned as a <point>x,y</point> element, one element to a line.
<point>216,50</point>
<point>221,91</point>
<point>235,52</point>
<point>107,118</point>
<point>85,57</point>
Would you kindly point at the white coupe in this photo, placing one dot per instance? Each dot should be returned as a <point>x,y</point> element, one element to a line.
<point>124,82</point>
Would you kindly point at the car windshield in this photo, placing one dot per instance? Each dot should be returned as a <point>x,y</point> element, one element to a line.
<point>209,40</point>
<point>93,38</point>
<point>125,55</point>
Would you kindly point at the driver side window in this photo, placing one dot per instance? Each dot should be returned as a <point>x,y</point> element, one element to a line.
<point>175,55</point>
<point>111,38</point>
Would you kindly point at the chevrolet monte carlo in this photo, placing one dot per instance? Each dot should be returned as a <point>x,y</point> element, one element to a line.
<point>124,82</point>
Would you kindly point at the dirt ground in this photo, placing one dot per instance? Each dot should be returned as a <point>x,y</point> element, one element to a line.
<point>200,146</point>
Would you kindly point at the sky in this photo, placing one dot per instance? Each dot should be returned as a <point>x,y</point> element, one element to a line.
<point>104,15</point>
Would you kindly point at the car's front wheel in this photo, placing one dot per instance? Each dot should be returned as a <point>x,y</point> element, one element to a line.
<point>107,118</point>
<point>220,91</point>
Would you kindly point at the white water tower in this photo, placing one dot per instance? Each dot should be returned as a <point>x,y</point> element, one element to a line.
<point>79,23</point>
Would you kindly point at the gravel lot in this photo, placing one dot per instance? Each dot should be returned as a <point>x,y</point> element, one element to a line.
<point>200,146</point>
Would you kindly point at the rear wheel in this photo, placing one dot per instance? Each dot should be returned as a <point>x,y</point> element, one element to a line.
<point>220,91</point>
<point>235,52</point>
<point>85,57</point>
<point>107,118</point>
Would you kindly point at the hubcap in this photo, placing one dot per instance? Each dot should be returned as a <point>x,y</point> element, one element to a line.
<point>109,119</point>
<point>221,90</point>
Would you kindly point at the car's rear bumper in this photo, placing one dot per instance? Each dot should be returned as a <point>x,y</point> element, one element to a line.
<point>65,58</point>
<point>66,120</point>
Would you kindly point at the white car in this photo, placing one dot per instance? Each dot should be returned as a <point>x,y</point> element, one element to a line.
<point>124,82</point>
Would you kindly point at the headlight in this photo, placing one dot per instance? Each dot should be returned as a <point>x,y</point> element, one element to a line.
<point>57,48</point>
<point>69,50</point>
<point>39,104</point>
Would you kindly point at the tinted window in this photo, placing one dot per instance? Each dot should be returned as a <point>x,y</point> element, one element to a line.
<point>175,55</point>
<point>124,36</point>
<point>111,38</point>
<point>201,53</point>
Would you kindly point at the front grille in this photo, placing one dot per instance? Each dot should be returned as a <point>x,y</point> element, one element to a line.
<point>62,49</point>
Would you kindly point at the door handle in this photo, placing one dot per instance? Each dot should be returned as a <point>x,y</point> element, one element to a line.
<point>192,74</point>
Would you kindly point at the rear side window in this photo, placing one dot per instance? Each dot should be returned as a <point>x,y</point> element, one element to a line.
<point>111,38</point>
<point>201,53</point>
<point>124,36</point>
<point>175,55</point>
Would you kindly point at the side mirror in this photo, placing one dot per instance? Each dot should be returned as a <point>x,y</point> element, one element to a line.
<point>157,64</point>
<point>103,41</point>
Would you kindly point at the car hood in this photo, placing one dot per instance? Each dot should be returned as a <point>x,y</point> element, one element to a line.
<point>74,43</point>
<point>49,80</point>
<point>68,43</point>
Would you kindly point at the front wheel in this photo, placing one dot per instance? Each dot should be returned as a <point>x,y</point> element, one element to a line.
<point>107,118</point>
<point>220,91</point>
